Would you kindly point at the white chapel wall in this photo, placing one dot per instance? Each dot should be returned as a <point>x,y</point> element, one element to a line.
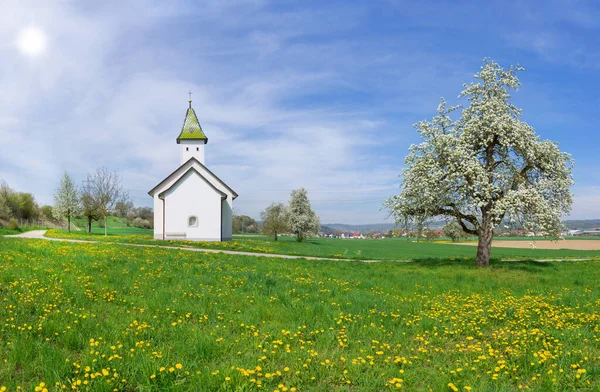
<point>227,218</point>
<point>158,218</point>
<point>193,197</point>
<point>227,208</point>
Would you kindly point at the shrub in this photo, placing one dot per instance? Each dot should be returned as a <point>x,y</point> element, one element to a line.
<point>142,223</point>
<point>454,231</point>
<point>431,235</point>
<point>13,224</point>
<point>47,213</point>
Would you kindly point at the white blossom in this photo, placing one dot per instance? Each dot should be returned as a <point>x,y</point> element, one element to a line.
<point>486,166</point>
<point>303,220</point>
<point>66,200</point>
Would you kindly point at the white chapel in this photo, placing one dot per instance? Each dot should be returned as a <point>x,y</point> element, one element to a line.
<point>192,203</point>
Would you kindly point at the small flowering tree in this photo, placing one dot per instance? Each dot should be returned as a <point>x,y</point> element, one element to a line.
<point>275,219</point>
<point>66,200</point>
<point>485,167</point>
<point>303,221</point>
<point>105,191</point>
<point>453,230</point>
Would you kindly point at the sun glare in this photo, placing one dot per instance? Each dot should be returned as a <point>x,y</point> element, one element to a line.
<point>31,41</point>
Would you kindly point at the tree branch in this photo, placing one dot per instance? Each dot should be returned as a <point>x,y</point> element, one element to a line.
<point>460,217</point>
<point>465,228</point>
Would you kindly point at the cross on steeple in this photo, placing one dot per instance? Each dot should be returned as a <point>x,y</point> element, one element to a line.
<point>190,100</point>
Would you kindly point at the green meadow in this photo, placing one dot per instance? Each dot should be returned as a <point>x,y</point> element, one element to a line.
<point>107,317</point>
<point>368,249</point>
<point>116,225</point>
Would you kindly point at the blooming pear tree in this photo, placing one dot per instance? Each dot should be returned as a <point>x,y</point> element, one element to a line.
<point>485,167</point>
<point>303,221</point>
<point>66,200</point>
<point>453,230</point>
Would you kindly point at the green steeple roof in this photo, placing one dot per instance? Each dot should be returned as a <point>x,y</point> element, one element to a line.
<point>191,129</point>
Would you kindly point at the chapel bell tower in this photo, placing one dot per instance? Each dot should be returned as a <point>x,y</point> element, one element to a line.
<point>192,139</point>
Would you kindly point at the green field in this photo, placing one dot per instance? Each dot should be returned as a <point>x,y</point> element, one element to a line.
<point>104,317</point>
<point>116,226</point>
<point>381,249</point>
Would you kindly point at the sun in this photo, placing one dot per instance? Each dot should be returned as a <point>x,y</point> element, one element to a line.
<point>31,41</point>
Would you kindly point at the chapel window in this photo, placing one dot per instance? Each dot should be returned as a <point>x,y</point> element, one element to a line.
<point>192,221</point>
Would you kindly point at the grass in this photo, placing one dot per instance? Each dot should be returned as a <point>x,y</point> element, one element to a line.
<point>116,226</point>
<point>104,317</point>
<point>381,249</point>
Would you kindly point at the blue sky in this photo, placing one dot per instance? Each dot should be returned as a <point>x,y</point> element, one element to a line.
<point>321,95</point>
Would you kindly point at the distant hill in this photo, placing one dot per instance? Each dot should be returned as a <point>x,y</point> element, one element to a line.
<point>369,228</point>
<point>583,224</point>
<point>341,227</point>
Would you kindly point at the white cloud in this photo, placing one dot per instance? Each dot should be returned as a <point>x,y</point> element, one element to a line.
<point>123,109</point>
<point>586,203</point>
<point>281,109</point>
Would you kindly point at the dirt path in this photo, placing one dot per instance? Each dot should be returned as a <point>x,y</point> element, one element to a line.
<point>39,235</point>
<point>543,244</point>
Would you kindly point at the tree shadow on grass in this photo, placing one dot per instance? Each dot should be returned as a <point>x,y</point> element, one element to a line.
<point>523,265</point>
<point>497,264</point>
<point>307,241</point>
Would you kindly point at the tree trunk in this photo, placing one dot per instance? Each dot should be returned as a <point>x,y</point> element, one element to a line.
<point>89,225</point>
<point>69,221</point>
<point>275,236</point>
<point>105,226</point>
<point>484,247</point>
